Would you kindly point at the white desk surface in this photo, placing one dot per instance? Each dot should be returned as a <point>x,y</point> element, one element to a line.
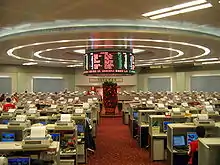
<point>210,141</point>
<point>182,125</point>
<point>143,125</point>
<point>3,126</point>
<point>149,111</point>
<point>17,146</point>
<point>159,135</point>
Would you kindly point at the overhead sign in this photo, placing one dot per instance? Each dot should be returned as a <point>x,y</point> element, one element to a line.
<point>100,80</point>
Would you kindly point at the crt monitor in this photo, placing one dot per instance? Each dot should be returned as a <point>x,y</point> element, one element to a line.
<point>19,161</point>
<point>165,125</point>
<point>80,128</point>
<point>179,141</point>
<point>135,115</point>
<point>8,137</point>
<point>191,136</point>
<point>55,136</point>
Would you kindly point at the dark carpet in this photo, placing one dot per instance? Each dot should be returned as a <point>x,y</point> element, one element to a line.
<point>116,147</point>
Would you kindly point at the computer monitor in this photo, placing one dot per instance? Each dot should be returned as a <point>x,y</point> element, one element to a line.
<point>55,136</point>
<point>80,128</point>
<point>43,122</point>
<point>135,115</point>
<point>165,125</point>
<point>191,136</point>
<point>8,137</point>
<point>179,141</point>
<point>5,121</point>
<point>19,161</point>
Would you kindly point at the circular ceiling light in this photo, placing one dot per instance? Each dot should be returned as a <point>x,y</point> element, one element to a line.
<point>180,53</point>
<point>10,51</point>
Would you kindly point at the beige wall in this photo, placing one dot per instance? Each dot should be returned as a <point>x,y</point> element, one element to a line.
<point>22,76</point>
<point>180,80</point>
<point>75,80</point>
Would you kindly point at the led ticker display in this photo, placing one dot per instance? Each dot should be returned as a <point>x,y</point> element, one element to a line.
<point>109,61</point>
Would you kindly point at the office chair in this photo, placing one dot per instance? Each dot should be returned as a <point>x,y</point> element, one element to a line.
<point>195,158</point>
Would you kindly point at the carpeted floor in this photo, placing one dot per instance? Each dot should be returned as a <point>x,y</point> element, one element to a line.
<point>116,147</point>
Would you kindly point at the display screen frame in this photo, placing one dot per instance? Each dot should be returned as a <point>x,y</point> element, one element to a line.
<point>109,61</point>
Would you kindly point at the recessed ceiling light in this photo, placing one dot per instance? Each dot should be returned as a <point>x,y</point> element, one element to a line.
<point>73,66</point>
<point>30,63</point>
<point>187,61</point>
<point>176,7</point>
<point>207,59</point>
<point>211,62</point>
<point>80,51</point>
<point>190,9</point>
<point>138,50</point>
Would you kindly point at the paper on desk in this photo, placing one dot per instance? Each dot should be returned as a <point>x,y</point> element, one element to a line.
<point>65,117</point>
<point>78,110</point>
<point>209,108</point>
<point>176,110</point>
<point>32,105</point>
<point>85,105</point>
<point>11,110</point>
<point>160,105</point>
<point>32,110</point>
<point>149,102</point>
<point>54,106</point>
<point>90,100</point>
<point>70,100</point>
<point>203,116</point>
<point>76,98</point>
<point>136,98</point>
<point>29,102</point>
<point>185,104</point>
<point>21,117</point>
<point>39,131</point>
<point>206,103</point>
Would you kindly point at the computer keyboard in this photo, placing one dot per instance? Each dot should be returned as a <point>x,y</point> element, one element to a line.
<point>182,150</point>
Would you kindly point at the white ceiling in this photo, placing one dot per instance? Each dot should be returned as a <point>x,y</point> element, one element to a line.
<point>184,37</point>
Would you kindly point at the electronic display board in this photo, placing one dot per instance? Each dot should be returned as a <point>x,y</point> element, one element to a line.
<point>109,61</point>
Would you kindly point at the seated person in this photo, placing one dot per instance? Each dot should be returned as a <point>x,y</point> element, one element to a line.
<point>193,146</point>
<point>8,105</point>
<point>2,97</point>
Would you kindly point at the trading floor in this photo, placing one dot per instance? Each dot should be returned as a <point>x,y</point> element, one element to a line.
<point>109,82</point>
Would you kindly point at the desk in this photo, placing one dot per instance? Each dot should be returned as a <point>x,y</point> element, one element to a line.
<point>209,150</point>
<point>14,147</point>
<point>175,157</point>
